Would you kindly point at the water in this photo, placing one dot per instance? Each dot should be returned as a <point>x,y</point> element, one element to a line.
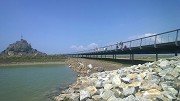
<point>33,83</point>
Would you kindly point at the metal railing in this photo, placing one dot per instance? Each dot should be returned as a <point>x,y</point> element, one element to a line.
<point>161,38</point>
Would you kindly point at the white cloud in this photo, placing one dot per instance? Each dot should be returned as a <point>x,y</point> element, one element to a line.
<point>141,36</point>
<point>78,48</point>
<point>92,46</point>
<point>81,47</point>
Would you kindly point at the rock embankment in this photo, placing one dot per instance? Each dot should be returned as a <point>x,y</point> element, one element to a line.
<point>156,81</point>
<point>88,66</point>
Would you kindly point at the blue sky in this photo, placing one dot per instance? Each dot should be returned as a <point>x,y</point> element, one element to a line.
<point>63,26</point>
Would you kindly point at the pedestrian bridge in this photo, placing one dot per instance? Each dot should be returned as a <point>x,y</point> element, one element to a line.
<point>162,43</point>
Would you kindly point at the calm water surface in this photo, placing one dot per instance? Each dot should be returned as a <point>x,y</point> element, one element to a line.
<point>33,83</point>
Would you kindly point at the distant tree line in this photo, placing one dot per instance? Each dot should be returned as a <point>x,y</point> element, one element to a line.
<point>28,58</point>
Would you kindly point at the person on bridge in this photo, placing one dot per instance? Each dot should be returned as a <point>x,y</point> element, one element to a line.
<point>121,44</point>
<point>105,49</point>
<point>117,45</point>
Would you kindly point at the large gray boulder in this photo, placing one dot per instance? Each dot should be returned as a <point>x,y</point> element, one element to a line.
<point>84,95</point>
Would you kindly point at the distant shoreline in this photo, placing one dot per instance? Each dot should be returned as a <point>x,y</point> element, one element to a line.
<point>30,63</point>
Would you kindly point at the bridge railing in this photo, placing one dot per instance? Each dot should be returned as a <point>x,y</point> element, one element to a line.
<point>166,37</point>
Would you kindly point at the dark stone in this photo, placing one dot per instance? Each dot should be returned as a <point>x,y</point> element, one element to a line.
<point>100,69</point>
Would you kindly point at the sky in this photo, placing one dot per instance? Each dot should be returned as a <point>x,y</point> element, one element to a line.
<point>65,26</point>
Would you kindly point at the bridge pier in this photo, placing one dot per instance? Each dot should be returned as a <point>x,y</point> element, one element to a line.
<point>131,56</point>
<point>105,56</point>
<point>156,57</point>
<point>113,56</point>
<point>176,54</point>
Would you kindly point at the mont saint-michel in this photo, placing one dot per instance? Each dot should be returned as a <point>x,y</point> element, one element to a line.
<point>21,47</point>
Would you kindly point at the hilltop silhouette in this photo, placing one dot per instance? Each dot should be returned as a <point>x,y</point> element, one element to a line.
<point>20,48</point>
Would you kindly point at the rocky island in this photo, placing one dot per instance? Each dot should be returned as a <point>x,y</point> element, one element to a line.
<point>20,48</point>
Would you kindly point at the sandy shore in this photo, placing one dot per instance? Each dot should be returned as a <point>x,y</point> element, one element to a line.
<point>30,63</point>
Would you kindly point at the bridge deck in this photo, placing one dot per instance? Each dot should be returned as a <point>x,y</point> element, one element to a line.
<point>162,43</point>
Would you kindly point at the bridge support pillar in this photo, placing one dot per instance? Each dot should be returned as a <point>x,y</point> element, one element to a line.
<point>114,56</point>
<point>101,56</point>
<point>131,56</point>
<point>105,56</point>
<point>175,53</point>
<point>156,57</point>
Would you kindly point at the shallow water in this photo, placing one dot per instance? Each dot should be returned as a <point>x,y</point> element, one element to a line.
<point>33,83</point>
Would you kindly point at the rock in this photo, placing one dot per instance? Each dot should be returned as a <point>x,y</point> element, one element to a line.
<point>93,80</point>
<point>163,63</point>
<point>152,93</point>
<point>90,66</point>
<point>175,72</point>
<point>135,84</point>
<point>166,84</point>
<point>130,98</point>
<point>89,100</point>
<point>122,86</point>
<point>99,91</point>
<point>178,96</point>
<point>62,97</point>
<point>168,77</point>
<point>176,83</point>
<point>164,72</point>
<point>132,76</point>
<point>100,69</point>
<point>150,81</point>
<point>88,71</point>
<point>143,75</point>
<point>173,91</point>
<point>91,89</point>
<point>157,70</point>
<point>122,73</point>
<point>108,86</point>
<point>74,97</point>
<point>113,98</point>
<point>117,93</point>
<point>96,98</point>
<point>168,95</point>
<point>106,94</point>
<point>84,95</point>
<point>107,82</point>
<point>128,91</point>
<point>116,81</point>
<point>125,80</point>
<point>143,99</point>
<point>98,84</point>
<point>84,82</point>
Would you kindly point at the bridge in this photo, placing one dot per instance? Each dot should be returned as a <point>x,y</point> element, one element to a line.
<point>162,43</point>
